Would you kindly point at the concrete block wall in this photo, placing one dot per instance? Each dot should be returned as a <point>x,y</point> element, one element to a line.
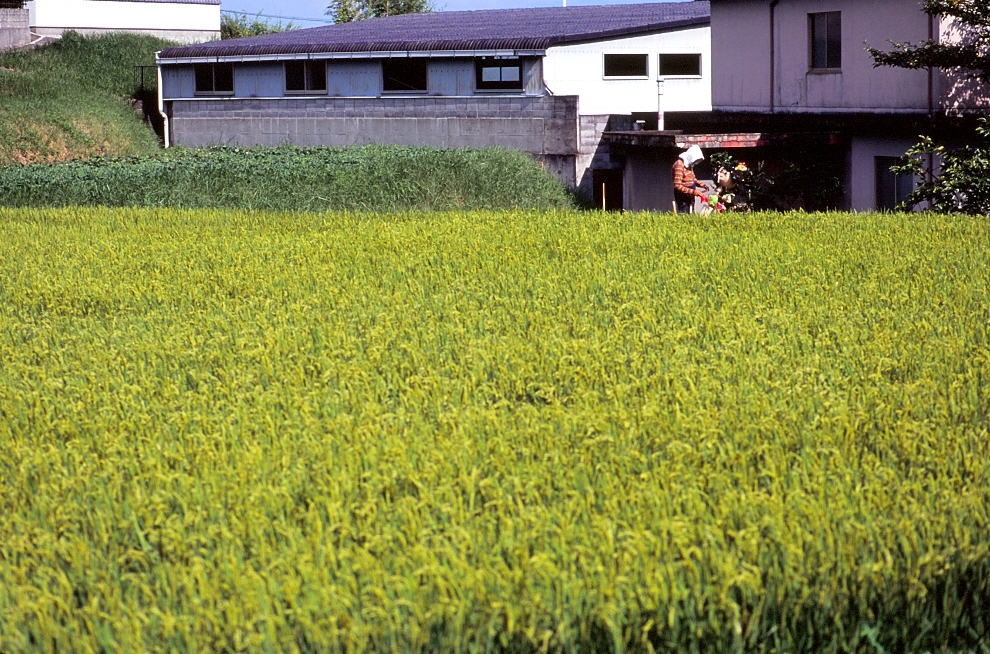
<point>592,153</point>
<point>15,29</point>
<point>545,127</point>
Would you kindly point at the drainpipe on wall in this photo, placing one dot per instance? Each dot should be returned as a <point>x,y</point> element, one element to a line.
<point>773,55</point>
<point>161,103</point>
<point>931,70</point>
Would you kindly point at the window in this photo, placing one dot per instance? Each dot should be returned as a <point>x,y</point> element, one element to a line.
<point>892,189</point>
<point>494,74</point>
<point>215,79</point>
<point>301,76</point>
<point>404,75</point>
<point>826,40</point>
<point>680,65</point>
<point>627,65</point>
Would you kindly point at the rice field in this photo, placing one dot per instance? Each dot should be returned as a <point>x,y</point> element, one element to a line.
<point>493,432</point>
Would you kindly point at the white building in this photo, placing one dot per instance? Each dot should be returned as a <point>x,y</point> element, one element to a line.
<point>185,21</point>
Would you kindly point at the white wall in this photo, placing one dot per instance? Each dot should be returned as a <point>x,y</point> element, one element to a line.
<point>579,70</point>
<point>741,43</point>
<point>170,19</point>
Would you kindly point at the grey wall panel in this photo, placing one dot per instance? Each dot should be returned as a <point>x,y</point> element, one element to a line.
<point>533,76</point>
<point>178,81</point>
<point>451,77</point>
<point>265,80</point>
<point>354,79</point>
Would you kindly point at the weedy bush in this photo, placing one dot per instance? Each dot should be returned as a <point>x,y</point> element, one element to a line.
<point>370,178</point>
<point>493,432</point>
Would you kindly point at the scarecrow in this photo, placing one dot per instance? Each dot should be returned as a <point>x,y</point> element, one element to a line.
<point>732,193</point>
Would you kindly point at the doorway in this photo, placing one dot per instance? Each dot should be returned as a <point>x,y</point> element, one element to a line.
<point>608,189</point>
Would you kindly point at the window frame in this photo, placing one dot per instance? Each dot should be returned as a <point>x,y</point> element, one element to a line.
<point>213,73</point>
<point>501,86</point>
<point>308,67</point>
<point>830,39</point>
<point>881,168</point>
<point>408,61</point>
<point>646,59</point>
<point>697,75</point>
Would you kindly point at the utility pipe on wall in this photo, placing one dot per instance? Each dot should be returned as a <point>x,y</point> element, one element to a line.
<point>773,55</point>
<point>161,103</point>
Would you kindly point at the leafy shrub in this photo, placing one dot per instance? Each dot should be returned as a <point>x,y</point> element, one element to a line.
<point>962,184</point>
<point>370,178</point>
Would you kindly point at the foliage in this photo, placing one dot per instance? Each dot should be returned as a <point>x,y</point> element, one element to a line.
<point>370,178</point>
<point>69,99</point>
<point>962,184</point>
<point>493,432</point>
<point>346,11</point>
<point>813,182</point>
<point>235,26</point>
<point>969,53</point>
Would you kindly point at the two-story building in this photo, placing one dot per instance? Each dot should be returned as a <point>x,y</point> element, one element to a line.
<point>794,76</point>
<point>547,81</point>
<point>184,21</point>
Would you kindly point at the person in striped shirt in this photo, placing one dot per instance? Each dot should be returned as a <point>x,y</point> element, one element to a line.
<point>686,186</point>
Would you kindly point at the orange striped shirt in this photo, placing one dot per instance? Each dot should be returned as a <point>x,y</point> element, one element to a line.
<point>685,181</point>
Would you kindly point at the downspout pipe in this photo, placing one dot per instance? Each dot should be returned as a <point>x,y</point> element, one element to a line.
<point>773,55</point>
<point>161,102</point>
<point>931,70</point>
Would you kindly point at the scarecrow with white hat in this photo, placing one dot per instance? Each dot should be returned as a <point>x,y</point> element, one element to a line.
<point>686,185</point>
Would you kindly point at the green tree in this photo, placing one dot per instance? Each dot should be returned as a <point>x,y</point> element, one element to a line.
<point>346,11</point>
<point>234,26</point>
<point>963,184</point>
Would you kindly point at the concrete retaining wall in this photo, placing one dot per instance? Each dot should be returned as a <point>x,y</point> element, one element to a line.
<point>546,127</point>
<point>15,28</point>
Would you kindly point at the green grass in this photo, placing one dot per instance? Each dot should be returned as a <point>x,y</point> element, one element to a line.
<point>379,178</point>
<point>493,432</point>
<point>69,100</point>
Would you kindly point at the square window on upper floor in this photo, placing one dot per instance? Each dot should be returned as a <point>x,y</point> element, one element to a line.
<point>825,41</point>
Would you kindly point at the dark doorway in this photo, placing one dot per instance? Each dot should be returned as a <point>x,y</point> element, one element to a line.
<point>608,189</point>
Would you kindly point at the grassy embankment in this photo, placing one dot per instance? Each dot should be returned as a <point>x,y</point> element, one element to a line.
<point>490,432</point>
<point>69,100</point>
<point>370,178</point>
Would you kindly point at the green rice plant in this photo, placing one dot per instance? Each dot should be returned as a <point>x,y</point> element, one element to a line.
<point>493,432</point>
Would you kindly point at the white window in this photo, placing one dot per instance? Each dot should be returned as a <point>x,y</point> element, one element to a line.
<point>627,66</point>
<point>680,65</point>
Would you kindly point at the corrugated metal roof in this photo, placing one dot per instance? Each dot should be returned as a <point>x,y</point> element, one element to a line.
<point>500,29</point>
<point>172,2</point>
